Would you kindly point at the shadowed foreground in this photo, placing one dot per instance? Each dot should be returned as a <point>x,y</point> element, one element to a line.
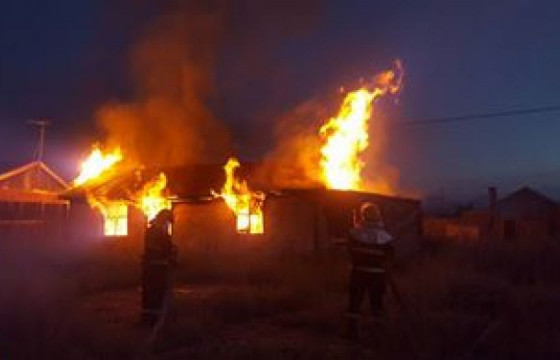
<point>496,300</point>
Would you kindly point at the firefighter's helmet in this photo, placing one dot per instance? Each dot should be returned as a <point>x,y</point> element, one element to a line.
<point>164,216</point>
<point>370,212</point>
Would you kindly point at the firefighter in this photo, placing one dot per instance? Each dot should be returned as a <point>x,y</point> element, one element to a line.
<point>160,256</point>
<point>371,251</point>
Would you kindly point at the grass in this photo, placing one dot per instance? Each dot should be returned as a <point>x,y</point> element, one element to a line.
<point>485,300</point>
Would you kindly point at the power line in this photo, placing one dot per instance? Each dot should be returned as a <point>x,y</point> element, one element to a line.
<point>452,119</point>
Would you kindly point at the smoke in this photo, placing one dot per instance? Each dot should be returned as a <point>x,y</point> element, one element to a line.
<point>198,55</point>
<point>170,122</point>
<point>296,159</point>
<point>294,162</point>
<point>379,175</point>
<point>194,59</point>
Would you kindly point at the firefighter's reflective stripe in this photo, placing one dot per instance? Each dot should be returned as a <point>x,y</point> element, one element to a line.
<point>372,270</point>
<point>368,251</point>
<point>371,235</point>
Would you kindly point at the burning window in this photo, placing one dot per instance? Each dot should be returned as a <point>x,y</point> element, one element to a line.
<point>250,219</point>
<point>115,219</point>
<point>100,167</point>
<point>245,203</point>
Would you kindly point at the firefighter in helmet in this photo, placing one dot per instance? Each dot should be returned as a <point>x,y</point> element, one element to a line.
<point>371,253</point>
<point>160,256</point>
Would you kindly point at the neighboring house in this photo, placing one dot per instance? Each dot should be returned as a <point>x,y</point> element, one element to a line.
<point>295,220</point>
<point>29,200</point>
<point>524,213</point>
<point>456,228</point>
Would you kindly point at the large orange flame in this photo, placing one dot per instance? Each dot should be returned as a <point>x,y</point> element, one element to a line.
<point>152,198</point>
<point>100,166</point>
<point>345,136</point>
<point>245,204</point>
<point>97,164</point>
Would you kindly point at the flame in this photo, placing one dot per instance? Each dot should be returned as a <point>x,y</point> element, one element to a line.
<point>245,204</point>
<point>94,168</point>
<point>96,164</point>
<point>345,137</point>
<point>152,198</point>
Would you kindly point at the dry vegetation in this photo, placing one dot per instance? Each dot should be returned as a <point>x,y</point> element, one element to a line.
<point>488,300</point>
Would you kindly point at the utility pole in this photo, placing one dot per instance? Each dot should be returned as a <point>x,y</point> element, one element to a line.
<point>41,125</point>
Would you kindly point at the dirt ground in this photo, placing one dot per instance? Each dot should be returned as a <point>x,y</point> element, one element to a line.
<point>193,329</point>
<point>460,301</point>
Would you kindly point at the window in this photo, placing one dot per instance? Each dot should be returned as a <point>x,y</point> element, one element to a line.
<point>250,222</point>
<point>116,220</point>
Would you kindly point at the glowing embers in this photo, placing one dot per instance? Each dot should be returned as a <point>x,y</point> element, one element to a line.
<point>115,219</point>
<point>245,204</point>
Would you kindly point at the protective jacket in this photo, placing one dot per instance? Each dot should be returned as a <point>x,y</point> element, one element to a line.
<point>158,248</point>
<point>370,248</point>
<point>160,255</point>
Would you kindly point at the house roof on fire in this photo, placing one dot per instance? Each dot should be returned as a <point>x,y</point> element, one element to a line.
<point>196,182</point>
<point>188,182</point>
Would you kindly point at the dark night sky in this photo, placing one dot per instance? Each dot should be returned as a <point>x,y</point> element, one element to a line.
<point>63,59</point>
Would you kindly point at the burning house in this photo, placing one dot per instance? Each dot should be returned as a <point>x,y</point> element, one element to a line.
<point>229,207</point>
<point>274,220</point>
<point>107,199</point>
